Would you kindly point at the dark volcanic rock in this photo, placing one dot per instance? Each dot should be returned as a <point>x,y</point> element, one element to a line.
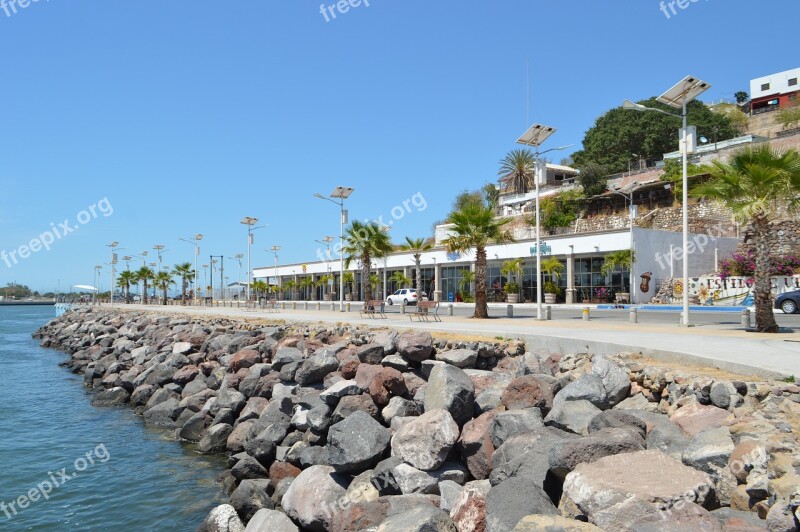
<point>357,443</point>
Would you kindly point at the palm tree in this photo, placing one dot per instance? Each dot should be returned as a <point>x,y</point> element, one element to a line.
<point>304,284</point>
<point>290,285</point>
<point>163,280</point>
<point>466,280</point>
<point>323,282</point>
<point>400,280</point>
<point>517,171</point>
<point>125,280</point>
<point>757,184</point>
<point>185,272</point>
<point>259,287</point>
<point>364,242</point>
<point>417,246</point>
<point>475,227</point>
<point>142,275</point>
<point>348,279</point>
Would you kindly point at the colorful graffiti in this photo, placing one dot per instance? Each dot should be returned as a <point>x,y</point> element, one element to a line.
<point>732,291</point>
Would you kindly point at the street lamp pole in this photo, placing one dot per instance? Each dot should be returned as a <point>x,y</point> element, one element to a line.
<point>250,222</point>
<point>275,250</point>
<point>197,238</point>
<point>678,97</point>
<point>326,242</point>
<point>238,258</point>
<point>113,262</point>
<point>535,137</point>
<point>631,216</point>
<point>340,193</point>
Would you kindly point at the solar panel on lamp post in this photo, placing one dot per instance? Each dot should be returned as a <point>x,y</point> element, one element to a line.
<point>340,193</point>
<point>678,97</point>
<point>536,135</point>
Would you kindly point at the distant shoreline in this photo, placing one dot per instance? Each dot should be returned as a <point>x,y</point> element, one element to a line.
<point>26,303</point>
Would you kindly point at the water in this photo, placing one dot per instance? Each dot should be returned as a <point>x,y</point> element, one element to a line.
<point>133,478</point>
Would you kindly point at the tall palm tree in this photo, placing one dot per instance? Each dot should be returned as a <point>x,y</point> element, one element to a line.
<point>163,280</point>
<point>143,275</point>
<point>517,171</point>
<point>125,280</point>
<point>417,246</point>
<point>364,242</point>
<point>475,227</point>
<point>185,272</point>
<point>758,184</point>
<point>399,279</point>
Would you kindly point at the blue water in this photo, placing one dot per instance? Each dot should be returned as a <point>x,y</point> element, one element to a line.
<point>134,478</point>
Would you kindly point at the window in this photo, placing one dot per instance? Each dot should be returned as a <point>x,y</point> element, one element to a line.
<point>793,82</point>
<point>765,87</point>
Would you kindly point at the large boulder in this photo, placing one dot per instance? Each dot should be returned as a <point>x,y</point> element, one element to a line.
<point>469,510</point>
<point>418,519</point>
<point>618,490</point>
<point>271,521</point>
<point>425,441</point>
<point>511,500</point>
<point>357,443</point>
<point>313,370</point>
<point>527,455</point>
<point>215,440</point>
<point>251,496</point>
<point>416,346</point>
<point>695,418</point>
<point>574,416</point>
<point>412,480</point>
<point>312,497</point>
<point>614,378</point>
<point>555,523</point>
<point>460,358</point>
<point>357,516</point>
<point>244,359</point>
<point>528,392</point>
<point>476,445</point>
<point>605,442</point>
<point>223,518</point>
<point>113,397</point>
<point>507,424</point>
<point>370,353</point>
<point>451,389</point>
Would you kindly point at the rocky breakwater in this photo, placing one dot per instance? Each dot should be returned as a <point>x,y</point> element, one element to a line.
<point>345,429</point>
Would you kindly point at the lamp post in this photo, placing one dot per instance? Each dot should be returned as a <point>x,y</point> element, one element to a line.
<point>274,250</point>
<point>213,259</point>
<point>197,238</point>
<point>159,248</point>
<point>113,262</point>
<point>97,270</point>
<point>326,242</point>
<point>340,193</point>
<point>536,135</point>
<point>205,279</point>
<point>678,97</point>
<point>238,258</point>
<point>631,217</point>
<point>153,265</point>
<point>250,222</point>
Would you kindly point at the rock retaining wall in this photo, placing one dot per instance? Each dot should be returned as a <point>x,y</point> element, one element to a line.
<point>345,429</point>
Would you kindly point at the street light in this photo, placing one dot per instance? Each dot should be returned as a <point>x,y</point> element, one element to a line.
<point>340,193</point>
<point>197,238</point>
<point>250,222</point>
<point>97,283</point>
<point>160,249</point>
<point>326,242</point>
<point>678,97</point>
<point>631,216</point>
<point>238,258</point>
<point>275,250</point>
<point>113,262</point>
<point>536,135</point>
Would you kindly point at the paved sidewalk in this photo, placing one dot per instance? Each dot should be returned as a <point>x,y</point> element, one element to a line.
<point>738,351</point>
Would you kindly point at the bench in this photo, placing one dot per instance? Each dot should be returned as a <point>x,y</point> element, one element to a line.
<point>373,307</point>
<point>271,305</point>
<point>426,309</point>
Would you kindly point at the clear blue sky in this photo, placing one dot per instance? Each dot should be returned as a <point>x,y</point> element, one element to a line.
<point>188,115</point>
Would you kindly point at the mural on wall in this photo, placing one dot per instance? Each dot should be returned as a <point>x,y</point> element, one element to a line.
<point>731,291</point>
<point>645,286</point>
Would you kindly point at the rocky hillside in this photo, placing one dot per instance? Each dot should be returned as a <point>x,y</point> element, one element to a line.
<point>344,429</point>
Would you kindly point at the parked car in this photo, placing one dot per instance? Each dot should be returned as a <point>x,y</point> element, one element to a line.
<point>406,296</point>
<point>788,302</point>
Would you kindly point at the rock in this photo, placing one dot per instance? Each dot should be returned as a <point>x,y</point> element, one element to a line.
<point>281,470</point>
<point>163,414</point>
<point>662,434</point>
<point>527,455</point>
<point>244,359</point>
<point>113,397</point>
<point>614,378</point>
<point>215,439</point>
<point>612,419</point>
<point>412,480</point>
<point>418,519</point>
<point>511,500</point>
<point>605,442</point>
<point>223,518</point>
<point>357,516</point>
<point>239,436</point>
<point>386,339</point>
<point>386,384</point>
<point>250,497</point>
<point>395,361</point>
<point>781,516</point>
<point>416,346</point>
<point>528,392</point>
<point>695,418</point>
<point>449,492</point>
<point>709,451</point>
<point>426,441</point>
<point>341,389</point>
<point>451,389</point>
<point>366,373</point>
<point>311,498</point>
<point>356,444</point>
<point>735,521</point>
<point>507,424</point>
<point>370,353</point>
<point>185,375</point>
<point>744,456</point>
<point>637,402</point>
<point>181,348</point>
<point>469,511</point>
<point>611,497</point>
<point>271,521</point>
<point>248,468</point>
<point>229,398</point>
<point>314,369</point>
<point>476,445</point>
<point>460,358</point>
<point>574,416</point>
<point>678,519</point>
<point>555,523</point>
<point>353,403</point>
<point>399,407</point>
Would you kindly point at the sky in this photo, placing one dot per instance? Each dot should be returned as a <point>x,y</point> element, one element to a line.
<point>144,122</point>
